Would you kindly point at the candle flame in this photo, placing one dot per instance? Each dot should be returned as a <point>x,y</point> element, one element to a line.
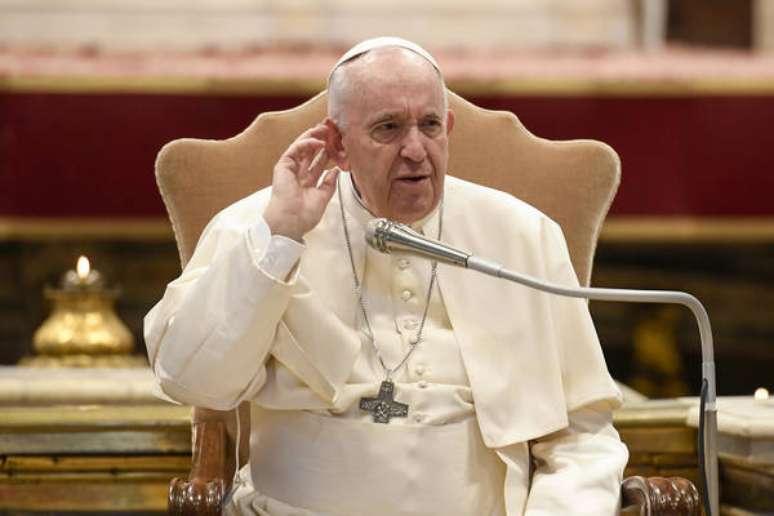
<point>83,268</point>
<point>761,393</point>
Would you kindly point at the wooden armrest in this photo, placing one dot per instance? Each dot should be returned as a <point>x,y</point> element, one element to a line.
<point>202,493</point>
<point>658,496</point>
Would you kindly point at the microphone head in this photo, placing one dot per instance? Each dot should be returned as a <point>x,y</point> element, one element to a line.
<point>377,233</point>
<point>387,236</point>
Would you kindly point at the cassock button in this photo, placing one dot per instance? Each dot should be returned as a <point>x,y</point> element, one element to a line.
<point>420,369</point>
<point>418,418</point>
<point>422,384</point>
<point>410,324</point>
<point>403,263</point>
<point>406,295</point>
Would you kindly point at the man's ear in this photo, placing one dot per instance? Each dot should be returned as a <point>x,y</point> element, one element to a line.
<point>449,121</point>
<point>336,150</point>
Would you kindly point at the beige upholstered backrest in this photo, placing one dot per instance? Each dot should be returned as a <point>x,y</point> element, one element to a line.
<point>573,181</point>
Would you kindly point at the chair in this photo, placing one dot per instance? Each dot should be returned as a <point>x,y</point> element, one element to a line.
<point>573,182</point>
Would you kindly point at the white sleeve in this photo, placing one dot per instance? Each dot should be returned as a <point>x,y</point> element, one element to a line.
<point>578,470</point>
<point>279,256</point>
<point>210,335</point>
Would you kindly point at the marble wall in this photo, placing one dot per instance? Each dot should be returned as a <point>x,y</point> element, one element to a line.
<point>485,24</point>
<point>201,24</point>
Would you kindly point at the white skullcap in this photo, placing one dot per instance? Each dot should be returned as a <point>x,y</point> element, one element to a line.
<point>383,42</point>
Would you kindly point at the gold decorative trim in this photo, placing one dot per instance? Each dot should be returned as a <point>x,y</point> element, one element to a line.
<point>640,229</point>
<point>159,85</point>
<point>105,493</point>
<point>579,87</point>
<point>95,463</point>
<point>693,230</point>
<point>39,229</point>
<point>550,87</point>
<point>70,418</point>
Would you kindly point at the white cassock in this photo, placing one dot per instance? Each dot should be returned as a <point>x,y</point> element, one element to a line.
<point>503,372</point>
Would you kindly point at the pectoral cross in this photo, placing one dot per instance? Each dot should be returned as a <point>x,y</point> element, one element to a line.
<point>383,407</point>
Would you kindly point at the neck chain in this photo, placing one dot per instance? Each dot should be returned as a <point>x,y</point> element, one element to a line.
<point>383,407</point>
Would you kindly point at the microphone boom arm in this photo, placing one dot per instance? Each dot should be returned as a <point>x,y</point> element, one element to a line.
<point>643,296</point>
<point>387,236</point>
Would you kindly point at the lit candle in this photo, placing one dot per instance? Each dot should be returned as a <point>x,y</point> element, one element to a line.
<point>82,268</point>
<point>83,277</point>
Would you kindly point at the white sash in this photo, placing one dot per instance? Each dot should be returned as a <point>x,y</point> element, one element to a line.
<point>350,467</point>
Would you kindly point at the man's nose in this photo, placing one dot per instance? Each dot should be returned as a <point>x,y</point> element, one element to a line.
<point>412,146</point>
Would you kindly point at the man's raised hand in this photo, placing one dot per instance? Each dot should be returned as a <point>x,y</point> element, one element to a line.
<point>297,201</point>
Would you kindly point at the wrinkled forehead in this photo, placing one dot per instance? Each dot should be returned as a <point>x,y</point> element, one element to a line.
<point>373,76</point>
<point>384,65</point>
<point>383,82</point>
<point>391,66</point>
<point>369,45</point>
<point>383,70</point>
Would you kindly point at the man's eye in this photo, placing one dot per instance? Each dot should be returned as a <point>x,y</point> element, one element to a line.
<point>431,127</point>
<point>385,130</point>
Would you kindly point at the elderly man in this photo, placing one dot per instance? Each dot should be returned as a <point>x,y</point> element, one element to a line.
<point>382,384</point>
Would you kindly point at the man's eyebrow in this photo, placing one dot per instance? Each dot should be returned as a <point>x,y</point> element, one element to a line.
<point>383,116</point>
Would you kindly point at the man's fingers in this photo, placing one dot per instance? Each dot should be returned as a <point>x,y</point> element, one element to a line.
<point>320,159</point>
<point>297,159</point>
<point>327,186</point>
<point>310,168</point>
<point>323,131</point>
<point>304,148</point>
<point>317,165</point>
<point>307,156</point>
<point>319,132</point>
<point>328,179</point>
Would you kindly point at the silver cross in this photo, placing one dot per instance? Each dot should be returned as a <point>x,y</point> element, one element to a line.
<point>383,407</point>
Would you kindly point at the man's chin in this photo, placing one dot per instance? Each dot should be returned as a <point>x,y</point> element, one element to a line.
<point>412,214</point>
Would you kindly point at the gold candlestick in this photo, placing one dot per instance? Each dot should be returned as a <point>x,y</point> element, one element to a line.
<point>83,329</point>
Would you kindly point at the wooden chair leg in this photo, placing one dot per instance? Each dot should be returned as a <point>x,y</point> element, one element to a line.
<point>658,496</point>
<point>202,494</point>
<point>212,463</point>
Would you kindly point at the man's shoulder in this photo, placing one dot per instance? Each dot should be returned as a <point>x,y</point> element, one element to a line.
<point>494,204</point>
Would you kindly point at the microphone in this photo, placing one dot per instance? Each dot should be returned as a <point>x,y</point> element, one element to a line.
<point>387,236</point>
